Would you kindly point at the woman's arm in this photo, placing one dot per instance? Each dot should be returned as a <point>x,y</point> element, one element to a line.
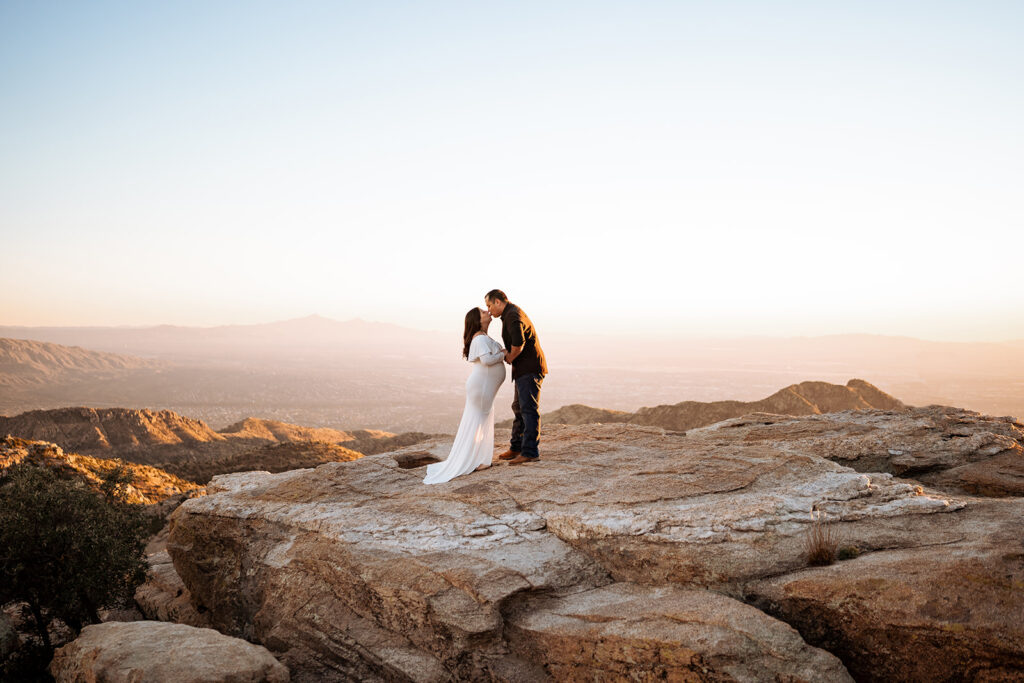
<point>493,357</point>
<point>478,350</point>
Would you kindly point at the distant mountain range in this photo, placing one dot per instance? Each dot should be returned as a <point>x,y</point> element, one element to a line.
<point>312,333</point>
<point>806,398</point>
<point>25,362</point>
<point>366,375</point>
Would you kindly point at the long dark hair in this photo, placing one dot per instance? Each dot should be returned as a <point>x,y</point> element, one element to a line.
<point>473,325</point>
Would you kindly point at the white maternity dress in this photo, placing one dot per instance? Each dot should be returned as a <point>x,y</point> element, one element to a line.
<point>474,442</point>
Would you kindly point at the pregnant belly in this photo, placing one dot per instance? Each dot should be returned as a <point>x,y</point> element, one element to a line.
<point>485,379</point>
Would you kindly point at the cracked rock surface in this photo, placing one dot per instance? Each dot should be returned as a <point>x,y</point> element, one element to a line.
<point>627,550</point>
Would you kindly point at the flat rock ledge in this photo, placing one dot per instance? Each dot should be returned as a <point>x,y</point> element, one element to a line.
<point>628,551</point>
<point>144,651</point>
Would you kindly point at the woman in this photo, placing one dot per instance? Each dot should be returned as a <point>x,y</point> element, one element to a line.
<point>474,443</point>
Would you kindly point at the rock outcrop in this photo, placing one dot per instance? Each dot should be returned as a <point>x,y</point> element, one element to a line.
<point>949,609</point>
<point>279,432</point>
<point>577,414</point>
<point>365,441</point>
<point>952,449</point>
<point>126,652</point>
<point>151,485</point>
<point>806,398</point>
<point>626,549</point>
<point>163,596</point>
<point>143,436</point>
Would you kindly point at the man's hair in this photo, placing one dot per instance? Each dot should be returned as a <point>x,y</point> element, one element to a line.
<point>496,295</point>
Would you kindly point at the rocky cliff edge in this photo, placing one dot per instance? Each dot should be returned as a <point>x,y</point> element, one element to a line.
<point>631,551</point>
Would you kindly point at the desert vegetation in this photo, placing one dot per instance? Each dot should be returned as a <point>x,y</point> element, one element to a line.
<point>822,540</point>
<point>67,551</point>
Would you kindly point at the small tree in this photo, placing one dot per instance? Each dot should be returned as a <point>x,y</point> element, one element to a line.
<point>67,550</point>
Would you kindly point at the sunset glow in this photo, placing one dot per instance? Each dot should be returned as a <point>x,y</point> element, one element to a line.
<point>681,168</point>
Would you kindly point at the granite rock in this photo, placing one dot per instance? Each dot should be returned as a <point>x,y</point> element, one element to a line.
<point>134,652</point>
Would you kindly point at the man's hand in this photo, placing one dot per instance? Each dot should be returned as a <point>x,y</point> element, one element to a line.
<point>511,355</point>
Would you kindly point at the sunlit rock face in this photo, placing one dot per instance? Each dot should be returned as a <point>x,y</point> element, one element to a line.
<point>625,549</point>
<point>123,432</point>
<point>150,485</point>
<point>189,448</point>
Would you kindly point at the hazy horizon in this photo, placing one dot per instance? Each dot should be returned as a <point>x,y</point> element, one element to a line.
<point>328,373</point>
<point>496,328</point>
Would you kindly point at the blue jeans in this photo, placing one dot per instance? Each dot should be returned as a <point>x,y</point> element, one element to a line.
<point>526,425</point>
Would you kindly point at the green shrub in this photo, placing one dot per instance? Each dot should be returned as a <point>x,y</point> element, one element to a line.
<point>848,552</point>
<point>67,550</point>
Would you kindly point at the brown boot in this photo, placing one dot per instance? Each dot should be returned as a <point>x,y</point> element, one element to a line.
<point>508,455</point>
<point>522,459</point>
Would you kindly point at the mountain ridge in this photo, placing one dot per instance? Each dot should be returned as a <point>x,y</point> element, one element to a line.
<point>191,448</point>
<point>314,331</point>
<point>25,362</point>
<point>804,398</point>
<point>150,485</point>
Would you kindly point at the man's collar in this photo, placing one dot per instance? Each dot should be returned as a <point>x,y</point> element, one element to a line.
<point>508,306</point>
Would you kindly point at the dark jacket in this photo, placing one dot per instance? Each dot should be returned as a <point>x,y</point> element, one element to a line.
<point>517,330</point>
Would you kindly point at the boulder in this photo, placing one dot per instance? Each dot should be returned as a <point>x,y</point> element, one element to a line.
<point>154,651</point>
<point>627,631</point>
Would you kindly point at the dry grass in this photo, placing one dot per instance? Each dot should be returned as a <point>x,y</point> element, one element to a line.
<point>822,541</point>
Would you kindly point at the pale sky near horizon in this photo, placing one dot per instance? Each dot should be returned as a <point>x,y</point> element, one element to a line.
<point>697,168</point>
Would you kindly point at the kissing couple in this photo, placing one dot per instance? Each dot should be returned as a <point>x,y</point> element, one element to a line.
<point>473,448</point>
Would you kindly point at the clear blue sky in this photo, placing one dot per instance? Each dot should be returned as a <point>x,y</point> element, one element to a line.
<point>679,167</point>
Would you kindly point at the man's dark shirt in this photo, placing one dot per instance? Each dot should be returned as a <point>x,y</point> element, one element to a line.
<point>517,330</point>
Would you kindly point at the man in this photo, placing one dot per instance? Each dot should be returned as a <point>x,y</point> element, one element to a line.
<point>523,353</point>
